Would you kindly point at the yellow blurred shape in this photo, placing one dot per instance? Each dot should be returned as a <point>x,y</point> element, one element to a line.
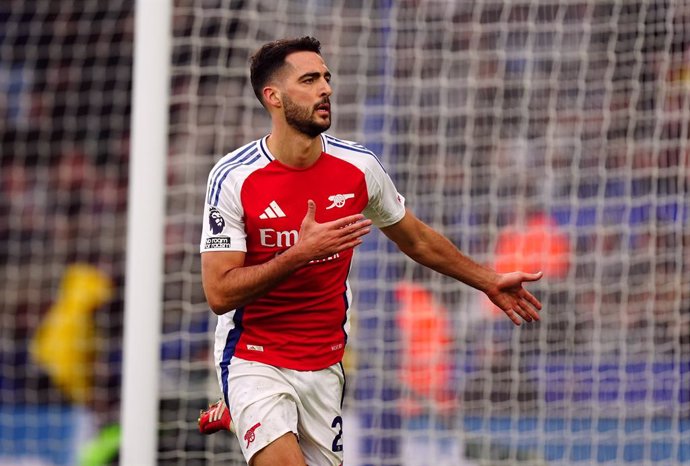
<point>65,341</point>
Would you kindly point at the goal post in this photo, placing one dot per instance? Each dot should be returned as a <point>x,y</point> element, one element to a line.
<point>145,233</point>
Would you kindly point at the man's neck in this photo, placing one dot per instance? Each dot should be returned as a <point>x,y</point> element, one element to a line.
<point>293,148</point>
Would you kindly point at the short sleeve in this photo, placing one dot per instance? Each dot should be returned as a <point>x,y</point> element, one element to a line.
<point>223,225</point>
<point>386,205</point>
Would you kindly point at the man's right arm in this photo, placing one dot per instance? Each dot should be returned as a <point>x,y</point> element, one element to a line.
<point>228,284</point>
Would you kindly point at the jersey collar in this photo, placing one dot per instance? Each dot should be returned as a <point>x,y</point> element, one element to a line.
<point>263,146</point>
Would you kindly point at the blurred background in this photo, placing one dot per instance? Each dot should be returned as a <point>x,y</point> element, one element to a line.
<point>538,134</point>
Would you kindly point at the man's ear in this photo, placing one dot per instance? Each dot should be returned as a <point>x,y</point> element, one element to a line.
<point>272,97</point>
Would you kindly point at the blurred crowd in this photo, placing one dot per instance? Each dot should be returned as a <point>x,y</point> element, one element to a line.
<point>65,80</point>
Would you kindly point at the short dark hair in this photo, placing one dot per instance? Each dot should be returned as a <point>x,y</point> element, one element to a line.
<point>271,58</point>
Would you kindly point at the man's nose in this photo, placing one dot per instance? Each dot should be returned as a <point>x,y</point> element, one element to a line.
<point>326,89</point>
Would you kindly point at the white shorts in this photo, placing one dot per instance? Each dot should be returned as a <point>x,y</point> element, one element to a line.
<point>266,402</point>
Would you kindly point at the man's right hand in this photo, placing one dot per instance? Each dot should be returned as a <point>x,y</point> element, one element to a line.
<point>321,240</point>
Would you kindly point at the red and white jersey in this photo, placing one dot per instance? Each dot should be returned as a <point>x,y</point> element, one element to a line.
<point>256,205</point>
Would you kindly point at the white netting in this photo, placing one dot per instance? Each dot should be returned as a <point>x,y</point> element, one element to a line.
<point>553,128</point>
<point>65,78</point>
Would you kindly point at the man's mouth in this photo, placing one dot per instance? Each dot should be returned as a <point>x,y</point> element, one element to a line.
<point>323,108</point>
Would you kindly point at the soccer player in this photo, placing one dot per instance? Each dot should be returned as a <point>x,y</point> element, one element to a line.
<point>282,217</point>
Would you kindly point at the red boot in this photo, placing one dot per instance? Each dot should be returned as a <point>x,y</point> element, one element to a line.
<point>215,418</point>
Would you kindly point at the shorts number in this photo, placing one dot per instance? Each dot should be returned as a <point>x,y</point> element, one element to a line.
<point>337,441</point>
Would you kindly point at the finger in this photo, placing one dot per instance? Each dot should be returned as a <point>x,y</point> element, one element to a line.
<point>350,244</point>
<point>346,241</point>
<point>521,313</point>
<point>526,312</point>
<point>363,225</point>
<point>358,233</point>
<point>311,210</point>
<point>350,220</point>
<point>532,277</point>
<point>529,297</point>
<point>513,316</point>
<point>529,310</point>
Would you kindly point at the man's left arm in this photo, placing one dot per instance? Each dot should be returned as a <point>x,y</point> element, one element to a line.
<point>428,247</point>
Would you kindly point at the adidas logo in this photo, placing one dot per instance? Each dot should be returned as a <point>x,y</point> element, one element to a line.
<point>272,211</point>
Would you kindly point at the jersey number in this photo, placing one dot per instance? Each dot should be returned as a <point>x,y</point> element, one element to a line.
<point>337,441</point>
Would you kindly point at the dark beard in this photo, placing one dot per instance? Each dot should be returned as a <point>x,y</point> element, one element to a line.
<point>300,118</point>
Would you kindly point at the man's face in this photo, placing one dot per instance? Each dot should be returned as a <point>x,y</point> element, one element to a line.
<point>306,93</point>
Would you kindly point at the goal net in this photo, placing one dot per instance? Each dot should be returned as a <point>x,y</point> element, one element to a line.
<point>65,79</point>
<point>536,134</point>
<point>542,135</point>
